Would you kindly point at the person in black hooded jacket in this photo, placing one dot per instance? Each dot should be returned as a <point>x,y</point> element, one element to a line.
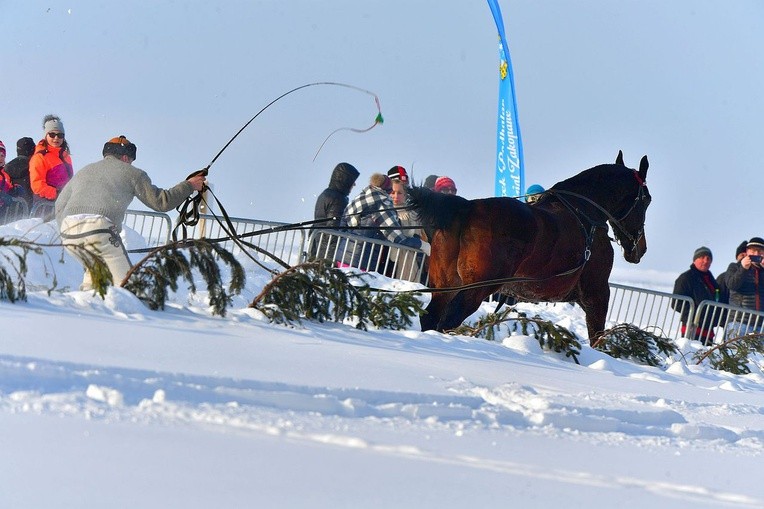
<point>18,168</point>
<point>330,205</point>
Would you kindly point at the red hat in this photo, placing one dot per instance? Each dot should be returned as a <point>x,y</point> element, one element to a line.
<point>2,147</point>
<point>444,183</point>
<point>398,173</point>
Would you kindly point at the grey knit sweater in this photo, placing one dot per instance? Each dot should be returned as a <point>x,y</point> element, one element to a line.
<point>107,187</point>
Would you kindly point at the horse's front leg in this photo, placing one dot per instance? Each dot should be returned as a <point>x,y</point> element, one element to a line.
<point>463,305</point>
<point>430,320</point>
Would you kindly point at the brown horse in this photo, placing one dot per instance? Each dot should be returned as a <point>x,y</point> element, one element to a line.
<point>556,249</point>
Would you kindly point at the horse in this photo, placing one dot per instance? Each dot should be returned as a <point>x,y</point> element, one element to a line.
<point>555,250</point>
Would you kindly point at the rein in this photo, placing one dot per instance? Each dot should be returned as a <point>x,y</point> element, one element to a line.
<point>617,223</point>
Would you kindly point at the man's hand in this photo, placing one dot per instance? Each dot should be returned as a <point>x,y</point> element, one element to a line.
<point>198,182</point>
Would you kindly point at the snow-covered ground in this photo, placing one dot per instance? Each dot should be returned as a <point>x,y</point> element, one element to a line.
<point>104,403</point>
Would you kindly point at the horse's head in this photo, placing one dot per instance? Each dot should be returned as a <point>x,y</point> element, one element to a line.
<point>629,222</point>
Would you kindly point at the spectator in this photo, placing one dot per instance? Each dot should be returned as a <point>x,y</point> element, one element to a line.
<point>429,182</point>
<point>373,211</point>
<point>699,284</point>
<point>50,168</point>
<point>406,265</point>
<point>445,185</point>
<point>398,173</point>
<point>91,208</point>
<point>722,278</point>
<point>533,193</point>
<point>18,168</point>
<point>331,204</point>
<point>5,181</point>
<point>745,279</point>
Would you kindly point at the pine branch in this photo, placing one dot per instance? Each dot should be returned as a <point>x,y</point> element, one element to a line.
<point>315,290</point>
<point>631,342</point>
<point>550,336</point>
<point>153,277</point>
<point>733,355</point>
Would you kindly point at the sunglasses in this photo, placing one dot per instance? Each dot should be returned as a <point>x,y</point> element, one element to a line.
<point>56,135</point>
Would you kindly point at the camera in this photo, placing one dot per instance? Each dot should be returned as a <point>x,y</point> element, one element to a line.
<point>755,258</point>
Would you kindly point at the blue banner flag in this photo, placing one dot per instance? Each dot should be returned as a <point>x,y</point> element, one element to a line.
<point>510,171</point>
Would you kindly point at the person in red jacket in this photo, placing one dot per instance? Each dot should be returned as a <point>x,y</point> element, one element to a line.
<point>50,168</point>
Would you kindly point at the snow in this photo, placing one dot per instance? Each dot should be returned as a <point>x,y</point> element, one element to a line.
<point>106,403</point>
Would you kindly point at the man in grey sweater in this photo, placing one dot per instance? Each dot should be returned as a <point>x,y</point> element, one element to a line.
<point>91,207</point>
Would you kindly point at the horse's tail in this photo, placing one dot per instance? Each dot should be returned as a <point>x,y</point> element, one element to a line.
<point>438,211</point>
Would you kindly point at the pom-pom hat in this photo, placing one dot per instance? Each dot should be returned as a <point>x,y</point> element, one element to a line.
<point>120,146</point>
<point>444,183</point>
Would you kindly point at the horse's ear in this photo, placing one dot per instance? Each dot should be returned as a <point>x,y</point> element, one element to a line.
<point>619,159</point>
<point>643,165</point>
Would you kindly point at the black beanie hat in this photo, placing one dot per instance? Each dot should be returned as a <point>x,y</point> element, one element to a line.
<point>741,248</point>
<point>119,146</point>
<point>429,182</point>
<point>25,147</point>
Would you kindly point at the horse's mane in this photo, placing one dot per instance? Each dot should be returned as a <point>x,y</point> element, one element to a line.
<point>600,175</point>
<point>437,211</point>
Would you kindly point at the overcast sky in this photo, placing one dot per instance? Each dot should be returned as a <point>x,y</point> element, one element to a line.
<point>680,81</point>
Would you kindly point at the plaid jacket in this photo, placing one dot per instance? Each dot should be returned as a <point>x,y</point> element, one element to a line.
<point>373,207</point>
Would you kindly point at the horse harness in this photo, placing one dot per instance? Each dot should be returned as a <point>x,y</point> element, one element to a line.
<point>617,223</point>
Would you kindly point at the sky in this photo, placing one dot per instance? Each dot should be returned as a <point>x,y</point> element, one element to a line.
<point>124,407</point>
<point>678,81</point>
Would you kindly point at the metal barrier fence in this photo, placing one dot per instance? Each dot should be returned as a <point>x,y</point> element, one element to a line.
<point>648,308</point>
<point>726,320</point>
<point>154,227</point>
<point>288,245</point>
<point>43,209</point>
<point>350,250</point>
<point>13,211</point>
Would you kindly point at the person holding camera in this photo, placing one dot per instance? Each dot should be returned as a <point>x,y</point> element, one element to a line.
<point>699,284</point>
<point>745,279</point>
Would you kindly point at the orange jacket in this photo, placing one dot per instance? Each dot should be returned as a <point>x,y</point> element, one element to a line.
<point>50,168</point>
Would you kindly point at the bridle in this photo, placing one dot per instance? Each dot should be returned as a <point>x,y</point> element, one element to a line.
<point>616,222</point>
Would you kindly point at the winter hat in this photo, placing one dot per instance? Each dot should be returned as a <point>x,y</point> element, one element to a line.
<point>52,123</point>
<point>444,183</point>
<point>119,146</point>
<point>535,189</point>
<point>702,251</point>
<point>429,182</point>
<point>741,248</point>
<point>25,147</point>
<point>2,147</point>
<point>398,173</point>
<point>755,242</point>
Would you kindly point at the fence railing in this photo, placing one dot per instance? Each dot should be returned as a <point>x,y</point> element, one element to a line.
<point>16,209</point>
<point>381,256</point>
<point>286,244</point>
<point>648,308</point>
<point>727,320</point>
<point>154,227</point>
